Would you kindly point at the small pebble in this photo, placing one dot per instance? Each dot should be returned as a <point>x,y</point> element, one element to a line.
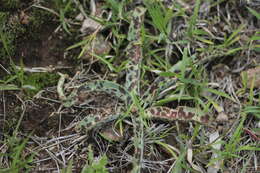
<point>222,117</point>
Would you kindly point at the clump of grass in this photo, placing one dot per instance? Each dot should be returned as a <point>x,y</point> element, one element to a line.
<point>185,65</point>
<point>16,158</point>
<point>93,165</point>
<point>31,83</point>
<point>39,81</point>
<point>63,9</point>
<point>14,153</point>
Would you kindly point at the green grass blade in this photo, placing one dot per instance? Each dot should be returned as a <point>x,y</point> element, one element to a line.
<point>8,87</point>
<point>178,165</point>
<point>193,20</point>
<point>255,13</point>
<point>220,93</point>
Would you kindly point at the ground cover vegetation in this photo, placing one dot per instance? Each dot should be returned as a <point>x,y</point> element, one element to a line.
<point>164,86</point>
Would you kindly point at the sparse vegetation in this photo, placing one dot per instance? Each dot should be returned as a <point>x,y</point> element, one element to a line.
<point>201,55</point>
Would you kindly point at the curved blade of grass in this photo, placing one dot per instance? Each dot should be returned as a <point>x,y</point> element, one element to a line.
<point>255,110</point>
<point>168,148</point>
<point>220,93</point>
<point>9,87</point>
<point>255,13</point>
<point>178,165</point>
<point>173,97</point>
<point>192,22</point>
<point>109,64</point>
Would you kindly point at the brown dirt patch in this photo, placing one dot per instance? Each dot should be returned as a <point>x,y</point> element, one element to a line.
<point>45,51</point>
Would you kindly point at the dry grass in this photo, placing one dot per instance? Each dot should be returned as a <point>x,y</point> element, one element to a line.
<point>203,46</point>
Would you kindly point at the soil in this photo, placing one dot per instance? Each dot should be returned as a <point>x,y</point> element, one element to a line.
<point>47,50</point>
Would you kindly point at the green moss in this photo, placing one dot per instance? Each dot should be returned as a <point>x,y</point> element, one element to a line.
<point>10,30</point>
<point>39,19</point>
<point>6,37</point>
<point>19,161</point>
<point>39,81</point>
<point>10,4</point>
<point>31,83</point>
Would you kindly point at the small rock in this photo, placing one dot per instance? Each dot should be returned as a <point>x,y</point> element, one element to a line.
<point>98,46</point>
<point>80,17</point>
<point>89,26</point>
<point>24,18</point>
<point>222,117</point>
<point>252,74</point>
